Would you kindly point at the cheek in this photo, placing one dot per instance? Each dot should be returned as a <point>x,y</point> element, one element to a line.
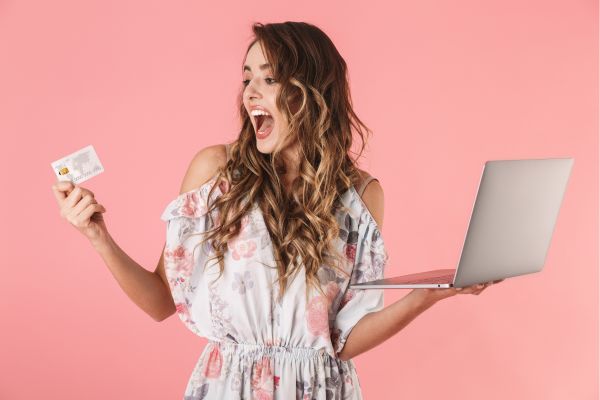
<point>281,124</point>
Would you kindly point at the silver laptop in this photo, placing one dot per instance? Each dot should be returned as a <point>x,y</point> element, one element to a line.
<point>510,228</point>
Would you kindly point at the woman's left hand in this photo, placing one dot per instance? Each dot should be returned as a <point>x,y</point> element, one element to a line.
<point>434,295</point>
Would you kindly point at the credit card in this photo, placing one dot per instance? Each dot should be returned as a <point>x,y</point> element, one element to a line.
<point>79,166</point>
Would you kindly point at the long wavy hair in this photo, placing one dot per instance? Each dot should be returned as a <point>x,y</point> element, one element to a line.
<point>314,95</point>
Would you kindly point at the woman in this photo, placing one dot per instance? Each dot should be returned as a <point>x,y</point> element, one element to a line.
<point>286,190</point>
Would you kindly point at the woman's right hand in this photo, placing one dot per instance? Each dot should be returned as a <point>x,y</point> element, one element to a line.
<point>80,208</point>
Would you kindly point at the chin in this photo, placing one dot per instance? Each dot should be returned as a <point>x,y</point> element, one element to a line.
<point>265,149</point>
<point>266,145</point>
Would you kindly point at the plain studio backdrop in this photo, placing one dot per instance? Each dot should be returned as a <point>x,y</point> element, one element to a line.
<point>444,85</point>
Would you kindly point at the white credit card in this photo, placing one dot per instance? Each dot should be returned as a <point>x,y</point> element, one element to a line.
<point>79,166</point>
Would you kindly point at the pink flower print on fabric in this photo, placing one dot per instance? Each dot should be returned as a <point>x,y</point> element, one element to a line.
<point>183,311</point>
<point>224,186</point>
<point>349,234</point>
<point>180,261</point>
<point>212,369</point>
<point>192,205</point>
<point>348,380</point>
<point>262,380</point>
<point>350,251</point>
<point>317,316</point>
<point>332,290</point>
<point>242,248</point>
<point>244,223</point>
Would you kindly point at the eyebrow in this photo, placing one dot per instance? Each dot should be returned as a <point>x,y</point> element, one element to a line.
<point>262,67</point>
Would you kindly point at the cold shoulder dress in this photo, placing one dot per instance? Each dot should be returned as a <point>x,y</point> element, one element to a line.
<point>259,348</point>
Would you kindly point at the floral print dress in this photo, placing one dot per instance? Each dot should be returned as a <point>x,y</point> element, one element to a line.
<point>259,348</point>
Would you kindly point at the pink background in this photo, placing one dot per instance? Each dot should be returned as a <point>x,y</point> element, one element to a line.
<point>445,86</point>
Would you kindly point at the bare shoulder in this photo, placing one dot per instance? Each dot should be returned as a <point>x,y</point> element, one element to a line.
<point>203,166</point>
<point>373,198</point>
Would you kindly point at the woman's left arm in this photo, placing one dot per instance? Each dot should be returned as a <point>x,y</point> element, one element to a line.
<point>376,327</point>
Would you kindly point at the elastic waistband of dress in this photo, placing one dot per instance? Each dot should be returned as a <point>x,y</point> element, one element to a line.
<point>252,349</point>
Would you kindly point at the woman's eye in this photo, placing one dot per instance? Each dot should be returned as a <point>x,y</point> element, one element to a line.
<point>270,81</point>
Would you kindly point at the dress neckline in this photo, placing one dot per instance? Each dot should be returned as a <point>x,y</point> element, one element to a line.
<point>213,179</point>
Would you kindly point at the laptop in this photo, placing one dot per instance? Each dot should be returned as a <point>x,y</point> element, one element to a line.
<point>509,230</point>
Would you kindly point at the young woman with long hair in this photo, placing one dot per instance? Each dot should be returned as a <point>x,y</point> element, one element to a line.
<point>267,234</point>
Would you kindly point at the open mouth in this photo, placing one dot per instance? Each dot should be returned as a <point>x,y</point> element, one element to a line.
<point>263,123</point>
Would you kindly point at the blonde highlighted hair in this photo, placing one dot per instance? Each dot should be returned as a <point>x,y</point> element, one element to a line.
<point>315,97</point>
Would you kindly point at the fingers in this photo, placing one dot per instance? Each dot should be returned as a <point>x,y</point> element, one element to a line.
<point>480,288</point>
<point>62,189</point>
<point>59,188</point>
<point>83,219</point>
<point>474,289</point>
<point>75,202</point>
<point>85,201</point>
<point>70,202</point>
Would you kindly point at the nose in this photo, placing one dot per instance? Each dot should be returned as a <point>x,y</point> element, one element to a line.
<point>251,91</point>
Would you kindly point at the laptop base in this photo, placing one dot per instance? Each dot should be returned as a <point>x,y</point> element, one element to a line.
<point>435,279</point>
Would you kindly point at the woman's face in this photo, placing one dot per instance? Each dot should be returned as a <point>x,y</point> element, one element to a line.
<point>260,92</point>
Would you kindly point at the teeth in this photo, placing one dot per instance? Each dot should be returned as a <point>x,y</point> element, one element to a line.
<point>259,112</point>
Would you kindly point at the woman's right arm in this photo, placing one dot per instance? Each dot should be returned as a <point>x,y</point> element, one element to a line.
<point>148,290</point>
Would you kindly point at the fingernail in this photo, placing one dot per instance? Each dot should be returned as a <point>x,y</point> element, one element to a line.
<point>458,288</point>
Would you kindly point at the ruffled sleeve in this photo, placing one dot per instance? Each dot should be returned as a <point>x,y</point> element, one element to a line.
<point>371,258</point>
<point>191,204</point>
<point>187,218</point>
